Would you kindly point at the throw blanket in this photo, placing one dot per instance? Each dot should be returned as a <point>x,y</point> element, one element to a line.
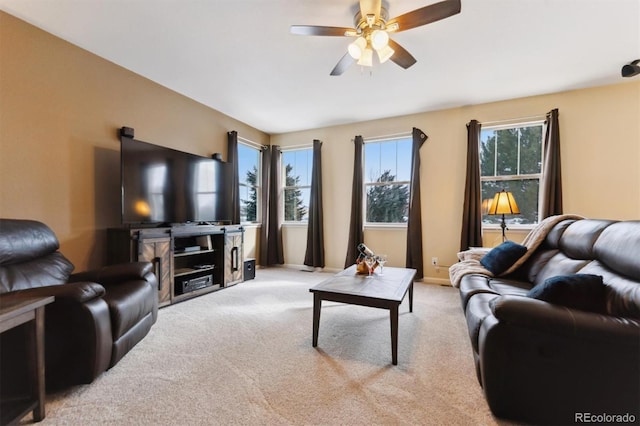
<point>532,241</point>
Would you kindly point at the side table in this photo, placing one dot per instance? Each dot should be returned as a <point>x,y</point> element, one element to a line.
<point>13,313</point>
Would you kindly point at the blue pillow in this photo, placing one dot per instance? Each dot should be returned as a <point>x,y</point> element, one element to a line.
<point>585,292</point>
<point>500,258</point>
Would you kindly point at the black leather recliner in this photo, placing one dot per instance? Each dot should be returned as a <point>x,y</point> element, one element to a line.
<point>96,318</point>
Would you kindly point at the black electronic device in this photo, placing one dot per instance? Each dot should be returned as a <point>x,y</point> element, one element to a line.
<point>161,185</point>
<point>188,284</point>
<point>249,269</point>
<point>127,132</point>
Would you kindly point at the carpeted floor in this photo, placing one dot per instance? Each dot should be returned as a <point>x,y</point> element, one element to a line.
<point>243,355</point>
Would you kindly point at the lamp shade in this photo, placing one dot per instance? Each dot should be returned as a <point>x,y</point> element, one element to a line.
<point>385,53</point>
<point>366,59</point>
<point>357,47</point>
<point>379,39</point>
<point>486,205</point>
<point>503,203</point>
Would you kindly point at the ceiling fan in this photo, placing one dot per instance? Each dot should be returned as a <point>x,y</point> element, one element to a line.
<point>372,27</point>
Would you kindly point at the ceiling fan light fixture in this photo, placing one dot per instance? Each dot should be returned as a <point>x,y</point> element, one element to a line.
<point>385,54</point>
<point>366,59</point>
<point>379,39</point>
<point>356,48</point>
<point>393,26</point>
<point>371,19</point>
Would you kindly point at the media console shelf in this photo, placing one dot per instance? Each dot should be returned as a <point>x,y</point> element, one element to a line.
<point>189,260</point>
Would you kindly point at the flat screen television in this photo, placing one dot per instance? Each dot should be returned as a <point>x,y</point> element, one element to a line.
<point>165,186</point>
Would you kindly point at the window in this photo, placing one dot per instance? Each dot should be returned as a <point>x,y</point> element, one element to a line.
<point>511,159</point>
<point>249,176</point>
<point>387,176</point>
<point>296,169</point>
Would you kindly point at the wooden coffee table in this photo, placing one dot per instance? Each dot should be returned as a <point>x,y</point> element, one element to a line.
<point>381,291</point>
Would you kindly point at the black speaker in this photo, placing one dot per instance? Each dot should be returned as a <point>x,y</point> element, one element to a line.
<point>249,269</point>
<point>127,132</point>
<point>631,69</point>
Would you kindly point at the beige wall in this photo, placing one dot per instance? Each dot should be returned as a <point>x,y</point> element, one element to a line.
<point>60,108</point>
<point>600,149</point>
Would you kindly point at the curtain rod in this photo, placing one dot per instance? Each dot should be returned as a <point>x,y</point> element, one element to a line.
<point>515,120</point>
<point>390,136</point>
<point>292,147</point>
<point>250,143</point>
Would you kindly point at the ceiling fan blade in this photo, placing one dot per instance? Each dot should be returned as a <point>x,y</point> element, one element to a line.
<point>426,15</point>
<point>342,65</point>
<point>323,31</point>
<point>370,7</point>
<point>314,30</point>
<point>401,56</point>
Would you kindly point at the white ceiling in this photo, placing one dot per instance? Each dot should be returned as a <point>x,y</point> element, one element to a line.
<point>238,57</point>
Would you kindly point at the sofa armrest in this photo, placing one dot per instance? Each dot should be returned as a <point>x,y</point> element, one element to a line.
<point>78,292</point>
<point>115,274</point>
<point>555,319</point>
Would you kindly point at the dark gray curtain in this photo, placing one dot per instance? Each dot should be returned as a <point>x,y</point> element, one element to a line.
<point>314,255</point>
<point>414,224</point>
<point>551,184</point>
<point>356,234</point>
<point>275,252</point>
<point>471,235</point>
<point>232,158</point>
<point>264,205</point>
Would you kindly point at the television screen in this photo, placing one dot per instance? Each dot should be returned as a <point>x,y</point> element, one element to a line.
<point>162,185</point>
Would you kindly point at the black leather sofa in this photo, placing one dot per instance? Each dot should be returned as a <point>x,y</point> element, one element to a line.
<point>550,363</point>
<point>96,318</point>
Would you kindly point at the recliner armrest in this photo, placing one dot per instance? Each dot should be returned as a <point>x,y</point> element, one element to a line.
<point>115,274</point>
<point>78,292</point>
<point>555,319</point>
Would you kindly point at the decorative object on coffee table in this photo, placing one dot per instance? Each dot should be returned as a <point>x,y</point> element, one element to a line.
<point>381,259</point>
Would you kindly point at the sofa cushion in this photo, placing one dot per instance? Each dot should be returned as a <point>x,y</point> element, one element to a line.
<point>578,239</point>
<point>52,269</point>
<point>25,240</point>
<point>129,302</point>
<point>502,257</point>
<point>578,291</point>
<point>618,247</point>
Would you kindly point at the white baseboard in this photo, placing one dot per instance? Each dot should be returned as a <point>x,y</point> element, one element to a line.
<point>439,281</point>
<point>427,280</point>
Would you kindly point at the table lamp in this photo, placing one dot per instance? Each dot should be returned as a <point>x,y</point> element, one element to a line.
<point>503,203</point>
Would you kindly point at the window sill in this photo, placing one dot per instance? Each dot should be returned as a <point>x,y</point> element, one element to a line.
<point>515,228</point>
<point>295,224</point>
<point>386,226</point>
<point>251,225</point>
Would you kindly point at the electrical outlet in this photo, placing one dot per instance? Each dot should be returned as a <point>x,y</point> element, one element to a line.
<point>434,261</point>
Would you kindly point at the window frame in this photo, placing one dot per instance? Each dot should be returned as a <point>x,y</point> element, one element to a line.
<point>515,177</point>
<point>257,187</point>
<point>368,184</point>
<point>285,187</point>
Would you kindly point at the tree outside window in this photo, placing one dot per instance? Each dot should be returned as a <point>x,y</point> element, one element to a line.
<point>297,166</point>
<point>249,180</point>
<point>387,168</point>
<point>511,159</point>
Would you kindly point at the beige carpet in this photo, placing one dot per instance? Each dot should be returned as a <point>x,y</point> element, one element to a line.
<point>243,356</point>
